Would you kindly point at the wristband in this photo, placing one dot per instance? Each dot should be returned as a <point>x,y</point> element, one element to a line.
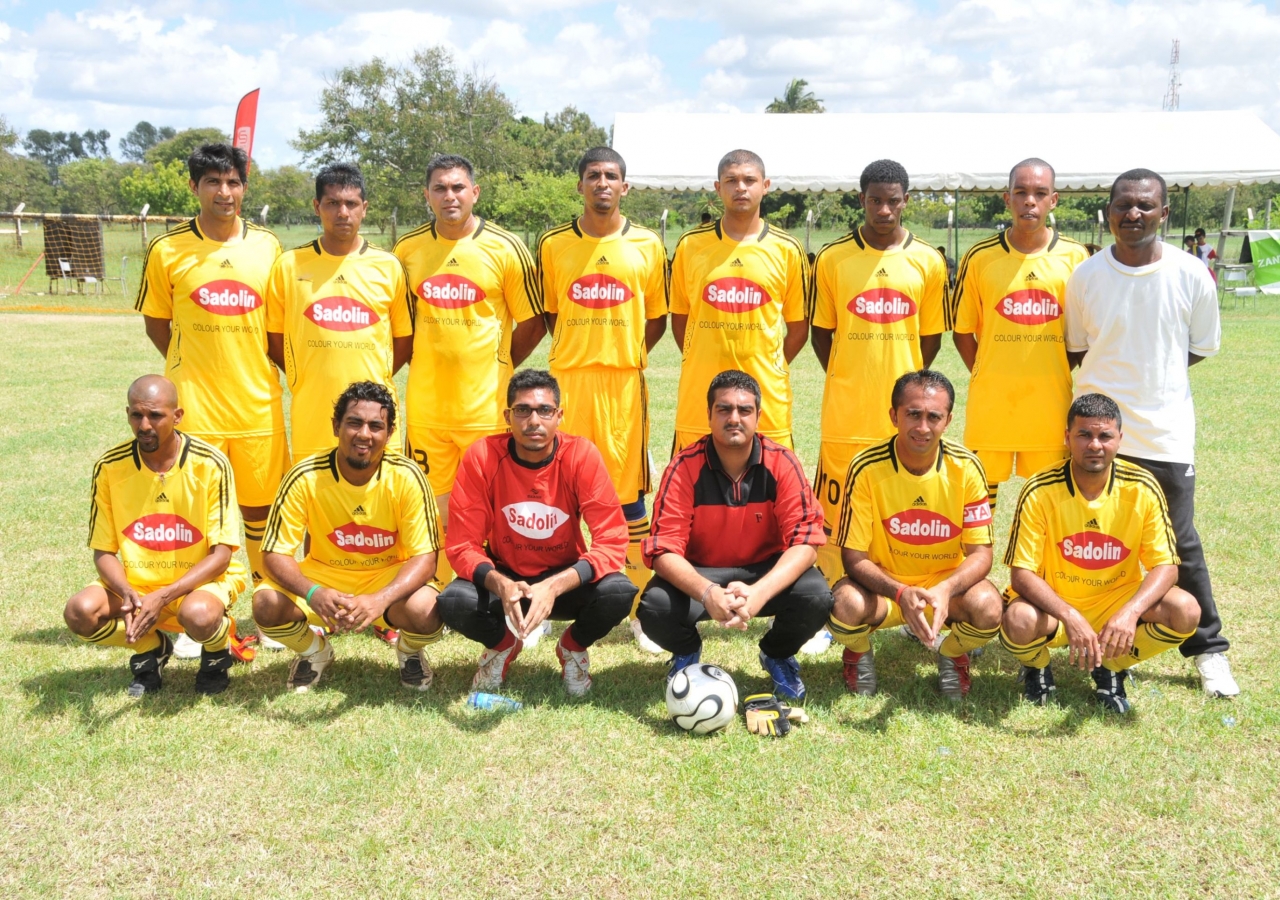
<point>705,591</point>
<point>898,596</point>
<point>315,587</point>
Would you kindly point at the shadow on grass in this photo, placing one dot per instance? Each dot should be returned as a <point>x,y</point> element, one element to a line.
<point>46,636</point>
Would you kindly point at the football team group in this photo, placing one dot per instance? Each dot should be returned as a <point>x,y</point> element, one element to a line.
<point>465,505</point>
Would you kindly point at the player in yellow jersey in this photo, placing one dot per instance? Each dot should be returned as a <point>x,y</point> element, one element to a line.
<point>202,298</point>
<point>879,312</point>
<point>915,528</point>
<point>163,528</point>
<point>604,285</point>
<point>374,540</point>
<point>338,311</point>
<point>739,300</point>
<point>1009,330</point>
<point>1083,533</point>
<point>479,315</point>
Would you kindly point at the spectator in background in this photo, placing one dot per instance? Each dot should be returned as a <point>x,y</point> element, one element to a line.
<point>1206,253</point>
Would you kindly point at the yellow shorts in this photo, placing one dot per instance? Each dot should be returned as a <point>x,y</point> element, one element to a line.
<point>438,451</point>
<point>258,462</point>
<point>345,582</point>
<point>894,617</point>
<point>610,408</point>
<point>685,438</point>
<point>999,464</point>
<point>828,480</point>
<point>226,589</point>
<point>1097,614</point>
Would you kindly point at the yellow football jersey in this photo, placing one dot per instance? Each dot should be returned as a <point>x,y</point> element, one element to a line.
<point>354,528</point>
<point>469,292</point>
<point>603,291</point>
<point>739,297</point>
<point>162,524</point>
<point>914,526</point>
<point>338,315</point>
<point>214,294</point>
<point>1089,550</point>
<point>1012,303</point>
<point>878,303</point>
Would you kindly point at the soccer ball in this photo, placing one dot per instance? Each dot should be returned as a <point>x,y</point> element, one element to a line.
<point>702,698</point>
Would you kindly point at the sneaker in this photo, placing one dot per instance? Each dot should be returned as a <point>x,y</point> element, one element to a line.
<point>212,677</point>
<point>860,672</point>
<point>786,677</point>
<point>386,635</point>
<point>682,660</point>
<point>415,671</point>
<point>818,644</point>
<point>148,668</point>
<point>493,667</point>
<point>953,676</point>
<point>1215,675</point>
<point>643,641</point>
<point>305,672</point>
<point>1037,684</point>
<point>576,667</point>
<point>185,648</point>
<point>267,643</point>
<point>1109,690</point>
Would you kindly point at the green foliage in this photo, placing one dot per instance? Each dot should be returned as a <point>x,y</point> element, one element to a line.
<point>92,186</point>
<point>288,192</point>
<point>178,147</point>
<point>8,137</point>
<point>163,187</point>
<point>533,202</point>
<point>55,148</point>
<point>24,180</point>
<point>796,100</point>
<point>557,143</point>
<point>141,138</point>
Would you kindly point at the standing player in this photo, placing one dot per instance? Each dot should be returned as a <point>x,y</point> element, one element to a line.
<point>880,310</point>
<point>372,523</point>
<point>338,311</point>
<point>202,299</point>
<point>517,542</point>
<point>739,300</point>
<point>479,315</point>
<point>604,283</point>
<point>1081,529</point>
<point>163,528</point>
<point>1008,328</point>
<point>915,526</point>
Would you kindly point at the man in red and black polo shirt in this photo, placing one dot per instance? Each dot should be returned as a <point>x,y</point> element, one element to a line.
<point>515,539</point>
<point>735,535</point>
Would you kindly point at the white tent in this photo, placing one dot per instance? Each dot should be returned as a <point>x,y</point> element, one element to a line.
<point>949,151</point>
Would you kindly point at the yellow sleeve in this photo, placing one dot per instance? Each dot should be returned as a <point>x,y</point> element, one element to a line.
<point>419,519</point>
<point>967,301</point>
<point>1158,542</point>
<point>977,505</point>
<point>224,514</point>
<point>656,289</point>
<point>520,283</point>
<point>679,290</point>
<point>857,512</point>
<point>795,303</point>
<point>550,302</point>
<point>287,521</point>
<point>824,301</point>
<point>401,311</point>
<point>102,529</point>
<point>275,297</point>
<point>933,305</point>
<point>155,294</point>
<point>1029,533</point>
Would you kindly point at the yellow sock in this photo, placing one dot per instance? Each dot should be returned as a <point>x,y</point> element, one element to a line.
<point>992,491</point>
<point>253,532</point>
<point>965,637</point>
<point>1149,640</point>
<point>830,562</point>
<point>112,635</point>
<point>1034,654</point>
<point>856,637</point>
<point>220,638</point>
<point>635,568</point>
<point>297,636</point>
<point>412,643</point>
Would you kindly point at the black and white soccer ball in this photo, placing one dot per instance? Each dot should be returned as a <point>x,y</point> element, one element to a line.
<point>702,698</point>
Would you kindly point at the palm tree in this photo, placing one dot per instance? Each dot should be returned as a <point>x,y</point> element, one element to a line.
<point>796,100</point>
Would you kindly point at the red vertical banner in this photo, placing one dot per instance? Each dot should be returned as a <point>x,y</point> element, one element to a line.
<point>246,122</point>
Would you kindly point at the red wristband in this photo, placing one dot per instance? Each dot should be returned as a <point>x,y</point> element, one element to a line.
<point>898,596</point>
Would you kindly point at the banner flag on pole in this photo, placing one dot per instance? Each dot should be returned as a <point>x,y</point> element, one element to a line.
<point>1265,249</point>
<point>246,122</point>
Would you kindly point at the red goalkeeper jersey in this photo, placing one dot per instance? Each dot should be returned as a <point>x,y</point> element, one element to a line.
<point>526,518</point>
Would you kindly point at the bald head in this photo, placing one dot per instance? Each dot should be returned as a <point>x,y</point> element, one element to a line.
<point>154,389</point>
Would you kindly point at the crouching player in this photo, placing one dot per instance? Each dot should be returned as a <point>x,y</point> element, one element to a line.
<point>915,533</point>
<point>1080,530</point>
<point>374,538</point>
<point>163,525</point>
<point>515,539</point>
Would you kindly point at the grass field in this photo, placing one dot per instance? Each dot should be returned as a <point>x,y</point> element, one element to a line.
<point>362,789</point>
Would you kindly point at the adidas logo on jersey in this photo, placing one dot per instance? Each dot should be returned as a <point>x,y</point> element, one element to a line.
<point>163,498</point>
<point>1092,523</point>
<point>1031,276</point>
<point>602,261</point>
<point>225,264</point>
<point>881,273</point>
<point>919,501</point>
<point>359,511</point>
<point>736,264</point>
<point>452,261</point>
<point>339,279</point>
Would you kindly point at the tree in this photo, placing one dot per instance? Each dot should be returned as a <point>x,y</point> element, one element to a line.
<point>8,137</point>
<point>287,190</point>
<point>143,137</point>
<point>179,147</point>
<point>557,143</point>
<point>796,100</point>
<point>55,148</point>
<point>534,202</point>
<point>92,186</point>
<point>162,187</point>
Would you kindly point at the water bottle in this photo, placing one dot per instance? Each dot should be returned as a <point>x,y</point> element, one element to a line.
<point>481,700</point>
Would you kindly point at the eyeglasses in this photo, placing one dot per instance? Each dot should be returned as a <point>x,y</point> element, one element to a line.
<point>524,412</point>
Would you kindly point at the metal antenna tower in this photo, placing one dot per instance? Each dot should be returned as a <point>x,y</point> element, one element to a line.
<point>1170,103</point>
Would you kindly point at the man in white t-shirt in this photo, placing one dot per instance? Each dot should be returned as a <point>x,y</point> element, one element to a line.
<point>1138,316</point>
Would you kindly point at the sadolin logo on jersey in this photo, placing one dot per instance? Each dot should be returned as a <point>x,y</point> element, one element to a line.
<point>340,314</point>
<point>533,519</point>
<point>450,291</point>
<point>1093,550</point>
<point>355,538</point>
<point>1030,307</point>
<point>882,306</point>
<point>735,295</point>
<point>226,298</point>
<point>921,526</point>
<point>163,531</point>
<point>599,291</point>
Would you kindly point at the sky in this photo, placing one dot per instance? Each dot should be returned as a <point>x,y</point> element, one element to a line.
<point>77,64</point>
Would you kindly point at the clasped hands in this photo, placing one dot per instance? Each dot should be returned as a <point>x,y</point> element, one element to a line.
<point>729,605</point>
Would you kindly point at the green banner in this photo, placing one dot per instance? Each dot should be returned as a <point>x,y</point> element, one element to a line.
<point>1264,246</point>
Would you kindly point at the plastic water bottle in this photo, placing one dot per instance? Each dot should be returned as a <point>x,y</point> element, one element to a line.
<point>481,700</point>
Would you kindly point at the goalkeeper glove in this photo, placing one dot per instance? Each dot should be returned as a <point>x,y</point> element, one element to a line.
<point>765,715</point>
